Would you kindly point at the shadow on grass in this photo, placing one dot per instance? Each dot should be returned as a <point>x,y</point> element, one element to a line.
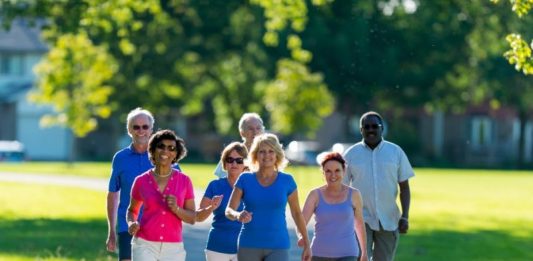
<point>476,245</point>
<point>53,238</point>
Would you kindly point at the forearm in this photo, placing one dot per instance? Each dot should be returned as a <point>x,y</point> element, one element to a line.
<point>360,231</point>
<point>232,214</point>
<point>203,213</point>
<point>186,215</point>
<point>405,200</point>
<point>112,206</point>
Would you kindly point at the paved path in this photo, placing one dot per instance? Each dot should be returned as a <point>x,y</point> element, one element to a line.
<point>194,236</point>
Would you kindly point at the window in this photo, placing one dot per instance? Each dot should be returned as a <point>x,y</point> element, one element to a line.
<point>11,64</point>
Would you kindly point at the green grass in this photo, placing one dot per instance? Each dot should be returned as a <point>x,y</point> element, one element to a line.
<point>455,214</point>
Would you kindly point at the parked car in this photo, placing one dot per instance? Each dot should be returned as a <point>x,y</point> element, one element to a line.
<point>11,150</point>
<point>341,147</point>
<point>303,152</point>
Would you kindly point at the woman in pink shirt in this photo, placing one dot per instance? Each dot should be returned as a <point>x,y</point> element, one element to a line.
<point>166,195</point>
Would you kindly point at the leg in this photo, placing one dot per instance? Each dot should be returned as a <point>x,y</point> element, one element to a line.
<point>217,256</point>
<point>144,250</point>
<point>385,246</point>
<point>124,246</point>
<point>277,255</point>
<point>250,254</point>
<point>369,242</point>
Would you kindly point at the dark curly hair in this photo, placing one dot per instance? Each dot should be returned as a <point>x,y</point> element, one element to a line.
<point>181,150</point>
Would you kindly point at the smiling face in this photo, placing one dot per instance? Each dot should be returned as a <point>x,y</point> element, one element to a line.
<point>333,172</point>
<point>251,128</point>
<point>236,166</point>
<point>140,129</point>
<point>266,156</point>
<point>371,129</point>
<point>165,153</point>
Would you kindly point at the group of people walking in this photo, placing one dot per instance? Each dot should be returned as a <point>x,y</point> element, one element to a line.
<point>356,215</point>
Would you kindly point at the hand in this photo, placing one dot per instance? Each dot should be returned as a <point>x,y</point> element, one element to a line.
<point>363,257</point>
<point>403,225</point>
<point>215,201</point>
<point>171,202</point>
<point>300,242</point>
<point>133,227</point>
<point>306,253</point>
<point>111,242</point>
<point>244,216</point>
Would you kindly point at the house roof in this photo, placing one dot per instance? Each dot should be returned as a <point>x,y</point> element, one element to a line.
<point>22,37</point>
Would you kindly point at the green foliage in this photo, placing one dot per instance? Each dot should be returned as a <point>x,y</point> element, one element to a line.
<point>297,99</point>
<point>202,57</point>
<point>73,77</point>
<point>519,53</point>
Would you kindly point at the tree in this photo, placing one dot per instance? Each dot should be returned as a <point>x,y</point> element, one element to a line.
<point>520,53</point>
<point>211,57</point>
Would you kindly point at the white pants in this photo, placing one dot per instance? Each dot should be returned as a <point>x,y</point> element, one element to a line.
<point>217,256</point>
<point>144,250</point>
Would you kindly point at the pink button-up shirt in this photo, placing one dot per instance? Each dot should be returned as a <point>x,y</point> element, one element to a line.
<point>158,223</point>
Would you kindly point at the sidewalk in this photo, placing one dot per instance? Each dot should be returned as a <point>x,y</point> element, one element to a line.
<point>194,236</point>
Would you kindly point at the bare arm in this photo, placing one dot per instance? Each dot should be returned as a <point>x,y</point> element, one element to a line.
<point>131,216</point>
<point>234,202</point>
<point>207,206</point>
<point>405,201</point>
<point>187,214</point>
<point>298,218</point>
<point>112,206</point>
<point>360,229</point>
<point>310,205</point>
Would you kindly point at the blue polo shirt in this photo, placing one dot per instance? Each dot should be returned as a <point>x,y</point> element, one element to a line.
<point>127,164</point>
<point>223,235</point>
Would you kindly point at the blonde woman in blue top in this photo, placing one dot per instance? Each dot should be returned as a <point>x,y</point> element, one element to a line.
<point>265,193</point>
<point>338,211</point>
<point>222,238</point>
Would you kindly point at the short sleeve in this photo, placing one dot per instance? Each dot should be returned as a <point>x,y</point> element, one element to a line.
<point>405,170</point>
<point>240,183</point>
<point>291,184</point>
<point>209,191</point>
<point>189,190</point>
<point>136,189</point>
<point>114,180</point>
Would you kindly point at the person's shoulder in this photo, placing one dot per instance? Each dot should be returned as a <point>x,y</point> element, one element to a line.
<point>124,152</point>
<point>392,145</point>
<point>356,146</point>
<point>144,176</point>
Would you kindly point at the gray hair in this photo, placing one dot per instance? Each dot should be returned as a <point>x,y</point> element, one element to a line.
<point>136,112</point>
<point>249,115</point>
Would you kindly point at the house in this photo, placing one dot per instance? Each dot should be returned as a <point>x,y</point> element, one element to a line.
<point>20,49</point>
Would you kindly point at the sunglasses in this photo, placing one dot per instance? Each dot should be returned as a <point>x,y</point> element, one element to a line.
<point>162,146</point>
<point>371,126</point>
<point>236,160</point>
<point>137,127</point>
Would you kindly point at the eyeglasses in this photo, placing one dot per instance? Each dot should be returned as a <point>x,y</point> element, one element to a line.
<point>371,126</point>
<point>162,146</point>
<point>236,160</point>
<point>144,127</point>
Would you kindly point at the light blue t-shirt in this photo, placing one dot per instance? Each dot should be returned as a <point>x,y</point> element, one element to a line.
<point>268,228</point>
<point>224,232</point>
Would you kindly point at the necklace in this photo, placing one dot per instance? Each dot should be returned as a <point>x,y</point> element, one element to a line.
<point>163,176</point>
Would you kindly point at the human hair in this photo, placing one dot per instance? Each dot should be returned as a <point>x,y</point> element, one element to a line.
<point>137,112</point>
<point>332,156</point>
<point>272,141</point>
<point>247,116</point>
<point>181,150</point>
<point>234,146</point>
<point>368,114</point>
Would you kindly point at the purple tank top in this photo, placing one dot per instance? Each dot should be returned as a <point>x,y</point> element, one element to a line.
<point>334,229</point>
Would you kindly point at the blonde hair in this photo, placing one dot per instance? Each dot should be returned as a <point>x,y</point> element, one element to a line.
<point>272,141</point>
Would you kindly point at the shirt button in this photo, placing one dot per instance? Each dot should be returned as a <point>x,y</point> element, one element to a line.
<point>162,225</point>
<point>164,212</point>
<point>161,237</point>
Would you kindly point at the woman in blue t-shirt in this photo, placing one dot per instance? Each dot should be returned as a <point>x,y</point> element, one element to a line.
<point>265,193</point>
<point>222,238</point>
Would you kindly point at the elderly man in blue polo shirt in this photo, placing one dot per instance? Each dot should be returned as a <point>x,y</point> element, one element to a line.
<point>127,164</point>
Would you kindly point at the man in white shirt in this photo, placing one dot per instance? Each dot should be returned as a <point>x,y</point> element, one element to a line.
<point>250,125</point>
<point>379,168</point>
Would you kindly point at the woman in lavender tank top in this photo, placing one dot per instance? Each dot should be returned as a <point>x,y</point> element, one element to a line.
<point>338,211</point>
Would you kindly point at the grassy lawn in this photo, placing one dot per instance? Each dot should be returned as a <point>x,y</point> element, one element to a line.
<point>455,214</point>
